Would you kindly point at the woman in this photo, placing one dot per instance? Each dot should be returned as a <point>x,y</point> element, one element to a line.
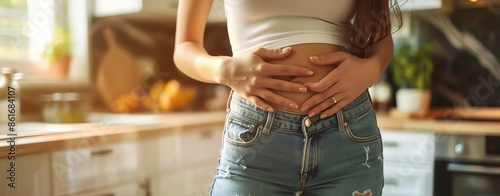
<point>299,119</point>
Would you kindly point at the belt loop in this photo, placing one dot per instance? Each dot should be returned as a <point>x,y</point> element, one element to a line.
<point>269,123</point>
<point>340,121</point>
<point>228,107</point>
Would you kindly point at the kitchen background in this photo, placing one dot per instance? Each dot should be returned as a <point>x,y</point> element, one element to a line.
<point>122,100</point>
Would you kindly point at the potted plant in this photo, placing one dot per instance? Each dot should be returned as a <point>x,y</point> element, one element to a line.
<point>412,70</point>
<point>58,52</point>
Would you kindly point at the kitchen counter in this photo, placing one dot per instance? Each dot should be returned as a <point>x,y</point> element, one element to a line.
<point>454,127</point>
<point>135,126</point>
<point>113,128</point>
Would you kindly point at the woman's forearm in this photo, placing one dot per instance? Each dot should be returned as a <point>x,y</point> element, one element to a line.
<point>195,62</point>
<point>381,55</point>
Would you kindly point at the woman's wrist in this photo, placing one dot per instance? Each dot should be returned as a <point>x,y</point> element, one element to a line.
<point>220,69</point>
<point>374,66</point>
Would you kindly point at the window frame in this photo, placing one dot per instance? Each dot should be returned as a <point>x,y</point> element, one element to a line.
<point>72,14</point>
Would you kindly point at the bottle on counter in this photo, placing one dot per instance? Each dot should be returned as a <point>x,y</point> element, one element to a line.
<point>10,107</point>
<point>381,95</point>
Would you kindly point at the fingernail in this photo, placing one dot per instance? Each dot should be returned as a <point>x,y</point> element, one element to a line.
<point>270,109</point>
<point>293,105</point>
<point>302,89</point>
<point>310,72</point>
<point>312,114</point>
<point>323,116</point>
<point>314,57</point>
<point>286,49</point>
<point>305,107</point>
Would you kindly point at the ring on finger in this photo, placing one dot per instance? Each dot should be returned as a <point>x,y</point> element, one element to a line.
<point>334,100</point>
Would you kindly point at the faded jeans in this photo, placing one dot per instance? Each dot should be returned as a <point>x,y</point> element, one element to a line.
<point>282,153</point>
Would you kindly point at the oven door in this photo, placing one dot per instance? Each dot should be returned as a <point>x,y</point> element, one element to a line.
<point>474,180</point>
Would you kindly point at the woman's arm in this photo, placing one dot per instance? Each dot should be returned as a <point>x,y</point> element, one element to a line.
<point>381,55</point>
<point>249,74</point>
<point>189,56</point>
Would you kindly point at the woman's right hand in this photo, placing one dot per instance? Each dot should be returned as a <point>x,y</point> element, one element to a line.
<point>251,76</point>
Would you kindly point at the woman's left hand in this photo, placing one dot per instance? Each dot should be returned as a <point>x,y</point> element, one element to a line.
<point>342,85</point>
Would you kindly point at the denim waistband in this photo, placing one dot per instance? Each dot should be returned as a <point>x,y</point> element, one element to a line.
<point>293,122</point>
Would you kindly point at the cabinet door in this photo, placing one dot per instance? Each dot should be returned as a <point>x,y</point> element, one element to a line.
<point>200,145</point>
<point>402,179</point>
<point>187,182</point>
<point>168,152</point>
<point>32,175</point>
<point>408,147</point>
<point>78,169</point>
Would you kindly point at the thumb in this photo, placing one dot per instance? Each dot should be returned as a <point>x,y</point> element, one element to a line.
<point>335,58</point>
<point>273,54</point>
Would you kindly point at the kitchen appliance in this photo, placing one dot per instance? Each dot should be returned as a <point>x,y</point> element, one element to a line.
<point>467,165</point>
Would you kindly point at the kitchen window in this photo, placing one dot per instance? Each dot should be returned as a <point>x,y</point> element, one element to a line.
<point>25,27</point>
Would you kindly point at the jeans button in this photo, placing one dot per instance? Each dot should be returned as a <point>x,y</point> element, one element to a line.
<point>308,122</point>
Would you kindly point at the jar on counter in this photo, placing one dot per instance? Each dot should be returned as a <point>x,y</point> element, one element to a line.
<point>10,96</point>
<point>66,108</point>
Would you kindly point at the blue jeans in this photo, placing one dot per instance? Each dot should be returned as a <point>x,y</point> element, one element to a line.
<point>282,153</point>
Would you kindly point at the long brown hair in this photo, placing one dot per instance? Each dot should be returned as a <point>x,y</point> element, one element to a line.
<point>372,23</point>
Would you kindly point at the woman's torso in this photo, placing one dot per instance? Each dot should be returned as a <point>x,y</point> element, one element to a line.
<point>300,57</point>
<point>312,27</point>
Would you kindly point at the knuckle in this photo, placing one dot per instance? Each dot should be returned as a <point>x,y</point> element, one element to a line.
<point>251,89</point>
<point>268,97</point>
<point>285,70</point>
<point>258,68</point>
<point>258,51</point>
<point>322,96</point>
<point>279,85</point>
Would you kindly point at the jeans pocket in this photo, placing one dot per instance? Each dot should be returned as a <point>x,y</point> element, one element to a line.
<point>362,127</point>
<point>240,131</point>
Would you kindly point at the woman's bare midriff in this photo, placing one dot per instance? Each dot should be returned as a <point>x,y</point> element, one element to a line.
<point>300,57</point>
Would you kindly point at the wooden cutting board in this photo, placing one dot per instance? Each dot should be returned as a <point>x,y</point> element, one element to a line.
<point>118,72</point>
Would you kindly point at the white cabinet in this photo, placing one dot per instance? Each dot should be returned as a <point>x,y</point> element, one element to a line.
<point>32,175</point>
<point>408,163</point>
<point>407,180</point>
<point>200,145</point>
<point>189,165</point>
<point>89,166</point>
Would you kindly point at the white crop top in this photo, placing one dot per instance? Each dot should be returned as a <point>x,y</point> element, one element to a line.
<point>278,23</point>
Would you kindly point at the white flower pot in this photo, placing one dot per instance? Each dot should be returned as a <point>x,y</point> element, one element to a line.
<point>413,100</point>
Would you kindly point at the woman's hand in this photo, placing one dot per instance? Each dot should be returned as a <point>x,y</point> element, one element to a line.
<point>342,85</point>
<point>251,77</point>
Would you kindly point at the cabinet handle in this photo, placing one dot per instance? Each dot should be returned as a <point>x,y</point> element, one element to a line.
<point>391,144</point>
<point>391,181</point>
<point>101,152</point>
<point>474,169</point>
<point>206,134</point>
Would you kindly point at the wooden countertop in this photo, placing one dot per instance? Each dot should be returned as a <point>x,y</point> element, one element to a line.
<point>454,127</point>
<point>47,140</point>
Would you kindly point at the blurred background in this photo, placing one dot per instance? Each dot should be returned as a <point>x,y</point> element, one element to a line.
<point>101,109</point>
